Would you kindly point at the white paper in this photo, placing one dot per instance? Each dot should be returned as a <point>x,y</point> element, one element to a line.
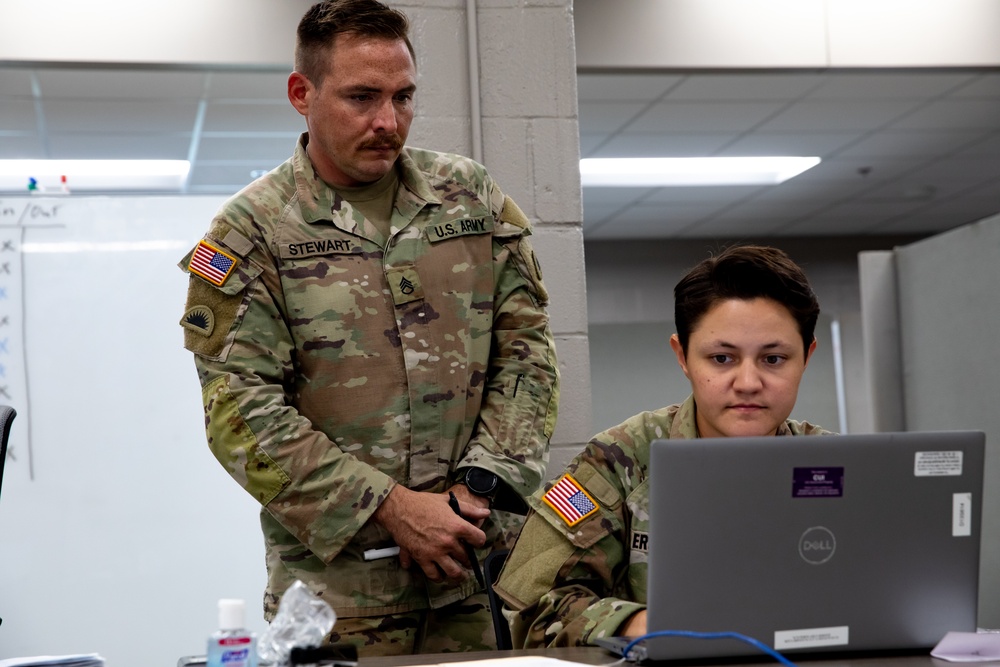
<point>966,647</point>
<point>79,660</point>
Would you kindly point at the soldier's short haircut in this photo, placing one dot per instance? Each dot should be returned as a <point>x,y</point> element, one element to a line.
<point>745,272</point>
<point>325,20</point>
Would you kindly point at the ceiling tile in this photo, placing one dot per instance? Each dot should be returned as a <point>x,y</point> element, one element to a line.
<point>121,84</point>
<point>855,217</point>
<point>744,87</point>
<point>984,86</point>
<point>942,217</point>
<point>21,146</point>
<point>74,115</point>
<point>614,196</point>
<point>624,87</point>
<point>739,227</point>
<point>912,143</point>
<point>108,146</point>
<point>875,85</point>
<point>662,145</point>
<point>817,144</point>
<point>274,150</point>
<point>704,194</point>
<point>596,214</point>
<point>703,117</point>
<point>828,116</point>
<point>272,86</point>
<point>647,223</point>
<point>221,178</point>
<point>607,116</point>
<point>971,114</point>
<point>15,82</point>
<point>987,147</point>
<point>252,117</point>
<point>18,115</point>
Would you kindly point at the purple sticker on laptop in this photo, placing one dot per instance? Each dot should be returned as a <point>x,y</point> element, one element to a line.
<point>818,483</point>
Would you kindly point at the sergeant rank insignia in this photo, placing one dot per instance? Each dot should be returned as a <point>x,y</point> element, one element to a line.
<point>211,263</point>
<point>570,501</point>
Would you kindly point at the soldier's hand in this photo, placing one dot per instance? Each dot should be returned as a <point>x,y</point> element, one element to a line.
<point>429,532</point>
<point>635,626</point>
<point>475,509</point>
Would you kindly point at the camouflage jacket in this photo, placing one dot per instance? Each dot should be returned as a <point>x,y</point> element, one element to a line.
<point>335,365</point>
<point>567,586</point>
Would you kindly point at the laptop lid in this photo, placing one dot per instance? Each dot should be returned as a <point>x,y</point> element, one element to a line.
<point>814,544</point>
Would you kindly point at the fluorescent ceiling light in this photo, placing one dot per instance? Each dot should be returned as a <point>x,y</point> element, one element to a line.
<point>104,175</point>
<point>682,171</point>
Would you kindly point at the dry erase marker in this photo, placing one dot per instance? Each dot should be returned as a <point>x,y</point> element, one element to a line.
<point>376,554</point>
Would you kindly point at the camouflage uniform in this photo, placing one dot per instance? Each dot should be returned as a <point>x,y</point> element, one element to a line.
<point>567,586</point>
<point>334,365</point>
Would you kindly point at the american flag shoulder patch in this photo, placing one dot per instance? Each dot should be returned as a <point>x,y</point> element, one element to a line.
<point>569,500</point>
<point>210,263</point>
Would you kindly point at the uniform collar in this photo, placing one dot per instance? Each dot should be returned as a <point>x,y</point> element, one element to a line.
<point>318,201</point>
<point>685,423</point>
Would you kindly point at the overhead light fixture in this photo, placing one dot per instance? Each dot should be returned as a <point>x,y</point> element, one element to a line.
<point>54,176</point>
<point>693,171</point>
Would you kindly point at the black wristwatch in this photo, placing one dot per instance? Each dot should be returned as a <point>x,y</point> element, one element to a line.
<point>482,483</point>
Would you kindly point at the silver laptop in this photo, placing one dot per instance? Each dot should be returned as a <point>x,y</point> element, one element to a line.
<point>814,544</point>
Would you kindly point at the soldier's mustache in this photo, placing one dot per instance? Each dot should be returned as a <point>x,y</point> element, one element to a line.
<point>392,142</point>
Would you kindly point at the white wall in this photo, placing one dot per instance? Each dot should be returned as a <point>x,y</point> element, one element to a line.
<point>786,33</point>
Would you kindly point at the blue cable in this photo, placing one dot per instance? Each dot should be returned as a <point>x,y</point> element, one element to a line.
<point>711,635</point>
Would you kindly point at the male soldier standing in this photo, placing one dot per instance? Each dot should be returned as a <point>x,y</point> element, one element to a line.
<point>369,327</point>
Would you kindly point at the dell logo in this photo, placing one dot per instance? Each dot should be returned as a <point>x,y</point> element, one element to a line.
<point>816,545</point>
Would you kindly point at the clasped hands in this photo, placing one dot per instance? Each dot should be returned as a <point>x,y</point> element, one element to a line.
<point>428,531</point>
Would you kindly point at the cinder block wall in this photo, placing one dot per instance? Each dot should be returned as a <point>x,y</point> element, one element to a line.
<point>530,143</point>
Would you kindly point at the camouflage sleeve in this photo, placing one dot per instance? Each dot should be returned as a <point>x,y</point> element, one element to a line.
<point>244,359</point>
<point>560,582</point>
<point>519,406</point>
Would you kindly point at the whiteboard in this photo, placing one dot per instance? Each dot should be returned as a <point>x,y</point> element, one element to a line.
<point>123,532</point>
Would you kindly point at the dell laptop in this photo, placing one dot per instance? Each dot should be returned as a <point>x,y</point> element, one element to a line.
<point>813,544</point>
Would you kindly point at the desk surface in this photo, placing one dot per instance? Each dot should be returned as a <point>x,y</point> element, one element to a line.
<point>598,656</point>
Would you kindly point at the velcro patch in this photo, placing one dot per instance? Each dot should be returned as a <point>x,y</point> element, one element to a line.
<point>405,285</point>
<point>332,246</point>
<point>448,230</point>
<point>570,501</point>
<point>211,263</point>
<point>199,319</point>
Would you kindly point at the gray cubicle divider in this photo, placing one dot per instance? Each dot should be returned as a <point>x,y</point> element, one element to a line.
<point>128,531</point>
<point>945,374</point>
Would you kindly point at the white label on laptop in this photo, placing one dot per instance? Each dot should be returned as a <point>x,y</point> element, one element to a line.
<point>937,464</point>
<point>810,638</point>
<point>961,515</point>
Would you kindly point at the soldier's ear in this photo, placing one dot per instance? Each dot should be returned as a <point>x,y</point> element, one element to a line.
<point>300,92</point>
<point>675,345</point>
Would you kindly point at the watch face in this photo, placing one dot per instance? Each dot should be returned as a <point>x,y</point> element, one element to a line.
<point>481,482</point>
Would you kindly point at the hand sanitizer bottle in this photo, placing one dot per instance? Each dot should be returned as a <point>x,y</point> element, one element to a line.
<point>231,645</point>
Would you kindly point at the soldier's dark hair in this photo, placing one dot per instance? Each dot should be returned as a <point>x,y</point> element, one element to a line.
<point>745,272</point>
<point>325,20</point>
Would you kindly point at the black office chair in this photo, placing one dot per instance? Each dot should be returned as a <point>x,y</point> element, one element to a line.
<point>7,415</point>
<point>491,571</point>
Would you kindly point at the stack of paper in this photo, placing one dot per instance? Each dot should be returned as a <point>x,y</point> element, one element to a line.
<point>81,660</point>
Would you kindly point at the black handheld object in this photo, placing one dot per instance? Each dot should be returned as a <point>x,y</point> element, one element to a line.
<point>469,549</point>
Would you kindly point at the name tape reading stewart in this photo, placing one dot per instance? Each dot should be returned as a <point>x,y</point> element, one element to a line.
<point>319,247</point>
